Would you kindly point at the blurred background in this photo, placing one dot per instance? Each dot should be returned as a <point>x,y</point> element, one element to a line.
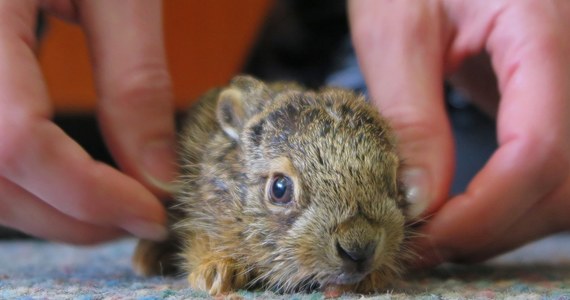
<point>206,42</point>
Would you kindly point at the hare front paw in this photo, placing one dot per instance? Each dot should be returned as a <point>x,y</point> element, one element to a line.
<point>218,277</point>
<point>155,258</point>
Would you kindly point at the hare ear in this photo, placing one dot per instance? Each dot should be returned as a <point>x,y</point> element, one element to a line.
<point>231,112</point>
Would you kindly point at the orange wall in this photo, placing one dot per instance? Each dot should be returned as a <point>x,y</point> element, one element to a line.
<point>206,42</point>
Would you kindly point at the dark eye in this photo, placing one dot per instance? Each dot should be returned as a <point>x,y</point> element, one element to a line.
<point>281,190</point>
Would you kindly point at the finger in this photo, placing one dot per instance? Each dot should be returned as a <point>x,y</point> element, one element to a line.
<point>531,162</point>
<point>402,63</point>
<point>136,111</point>
<point>18,207</point>
<point>497,197</point>
<point>40,158</point>
<point>18,68</point>
<point>539,221</point>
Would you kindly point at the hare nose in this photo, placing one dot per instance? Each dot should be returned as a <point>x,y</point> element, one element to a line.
<point>356,259</point>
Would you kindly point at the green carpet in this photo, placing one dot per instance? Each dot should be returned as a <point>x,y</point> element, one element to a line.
<point>41,270</point>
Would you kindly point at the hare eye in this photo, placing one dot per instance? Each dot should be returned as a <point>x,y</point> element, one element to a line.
<point>281,190</point>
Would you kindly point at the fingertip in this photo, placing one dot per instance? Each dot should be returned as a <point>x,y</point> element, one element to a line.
<point>147,230</point>
<point>426,190</point>
<point>129,205</point>
<point>148,220</point>
<point>427,153</point>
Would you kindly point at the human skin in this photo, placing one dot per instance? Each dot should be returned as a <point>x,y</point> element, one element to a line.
<point>407,48</point>
<point>49,186</point>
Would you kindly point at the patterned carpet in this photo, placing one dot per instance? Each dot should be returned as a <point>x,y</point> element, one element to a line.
<point>40,270</point>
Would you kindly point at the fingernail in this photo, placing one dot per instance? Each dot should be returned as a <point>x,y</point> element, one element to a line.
<point>147,230</point>
<point>158,162</point>
<point>416,182</point>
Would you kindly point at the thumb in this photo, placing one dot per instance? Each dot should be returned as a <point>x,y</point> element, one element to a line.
<point>400,47</point>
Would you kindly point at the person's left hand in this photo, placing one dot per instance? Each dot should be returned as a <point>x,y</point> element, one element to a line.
<point>406,48</point>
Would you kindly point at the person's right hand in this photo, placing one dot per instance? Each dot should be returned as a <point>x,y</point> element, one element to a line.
<point>49,186</point>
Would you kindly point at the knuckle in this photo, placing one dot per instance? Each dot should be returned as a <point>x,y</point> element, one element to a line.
<point>93,201</point>
<point>413,124</point>
<point>146,85</point>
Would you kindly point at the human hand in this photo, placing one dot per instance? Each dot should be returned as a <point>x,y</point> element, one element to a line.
<point>405,50</point>
<point>49,186</point>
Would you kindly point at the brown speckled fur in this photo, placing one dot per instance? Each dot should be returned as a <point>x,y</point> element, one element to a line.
<point>339,153</point>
